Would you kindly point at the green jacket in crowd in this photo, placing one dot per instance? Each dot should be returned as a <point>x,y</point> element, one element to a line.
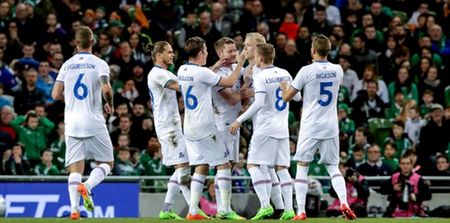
<point>34,140</point>
<point>43,170</point>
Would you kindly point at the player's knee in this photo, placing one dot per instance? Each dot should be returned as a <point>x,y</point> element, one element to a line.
<point>250,165</point>
<point>303,163</point>
<point>333,170</point>
<point>280,168</point>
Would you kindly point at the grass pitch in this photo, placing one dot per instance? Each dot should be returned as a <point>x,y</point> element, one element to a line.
<point>156,220</point>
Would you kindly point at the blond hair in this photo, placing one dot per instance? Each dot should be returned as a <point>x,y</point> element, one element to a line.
<point>257,37</point>
<point>84,37</point>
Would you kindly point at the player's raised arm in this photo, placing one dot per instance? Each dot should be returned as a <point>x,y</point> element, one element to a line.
<point>231,80</point>
<point>107,93</point>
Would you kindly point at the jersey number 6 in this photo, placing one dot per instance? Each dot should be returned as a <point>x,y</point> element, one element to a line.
<point>76,89</point>
<point>190,104</point>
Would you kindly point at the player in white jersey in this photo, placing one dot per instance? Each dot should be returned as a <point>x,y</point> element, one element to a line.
<point>320,82</point>
<point>81,81</point>
<point>227,103</point>
<point>203,141</point>
<point>162,85</point>
<point>270,140</point>
<point>247,92</point>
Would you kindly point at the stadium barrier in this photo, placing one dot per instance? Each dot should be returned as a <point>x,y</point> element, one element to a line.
<point>122,196</point>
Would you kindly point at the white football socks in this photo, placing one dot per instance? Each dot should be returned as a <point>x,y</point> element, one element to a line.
<point>301,187</point>
<point>197,184</point>
<point>224,183</point>
<point>260,185</point>
<point>72,183</point>
<point>97,175</point>
<point>338,182</point>
<point>286,188</point>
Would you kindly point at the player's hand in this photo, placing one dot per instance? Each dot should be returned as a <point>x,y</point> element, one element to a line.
<point>108,109</point>
<point>234,127</point>
<point>284,86</point>
<point>247,93</point>
<point>242,56</point>
<point>218,64</point>
<point>397,187</point>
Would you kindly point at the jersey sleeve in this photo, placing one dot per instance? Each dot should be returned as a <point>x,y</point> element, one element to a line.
<point>299,81</point>
<point>62,74</point>
<point>210,78</point>
<point>162,78</point>
<point>258,83</point>
<point>103,69</point>
<point>340,74</point>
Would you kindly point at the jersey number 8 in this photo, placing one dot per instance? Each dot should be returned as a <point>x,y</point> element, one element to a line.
<point>279,106</point>
<point>77,86</point>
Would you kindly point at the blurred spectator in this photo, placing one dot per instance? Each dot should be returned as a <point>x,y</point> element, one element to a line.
<point>6,116</point>
<point>220,21</point>
<point>166,18</point>
<point>210,34</point>
<point>6,154</point>
<point>397,105</point>
<point>433,82</point>
<point>46,167</point>
<point>32,131</point>
<point>290,59</point>
<point>350,76</point>
<point>58,148</point>
<point>332,12</point>
<point>5,100</point>
<point>123,140</point>
<point>388,158</point>
<point>407,190</point>
<point>441,43</point>
<point>17,163</point>
<point>404,83</point>
<point>125,123</point>
<point>140,80</point>
<point>320,24</point>
<point>380,19</point>
<point>346,125</point>
<point>56,60</point>
<point>45,81</point>
<point>289,26</point>
<point>11,83</point>
<point>130,91</point>
<point>189,28</point>
<point>389,69</point>
<point>427,99</point>
<point>208,201</point>
<point>116,84</point>
<point>357,157</point>
<point>441,169</point>
<point>28,59</point>
<point>371,74</point>
<point>357,193</point>
<point>103,48</point>
<point>361,55</point>
<point>151,159</point>
<point>135,160</point>
<point>252,15</point>
<point>360,140</point>
<point>265,31</point>
<point>399,138</point>
<point>414,124</point>
<point>368,105</point>
<point>303,42</point>
<point>30,95</point>
<point>122,165</point>
<point>434,137</point>
<point>124,60</point>
<point>374,165</point>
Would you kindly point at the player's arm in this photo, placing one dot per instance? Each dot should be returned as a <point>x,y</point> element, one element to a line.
<point>255,107</point>
<point>107,93</point>
<point>231,80</point>
<point>230,96</point>
<point>57,92</point>
<point>288,91</point>
<point>172,85</point>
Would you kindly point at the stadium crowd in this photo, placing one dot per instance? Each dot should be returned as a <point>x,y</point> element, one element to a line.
<point>394,102</point>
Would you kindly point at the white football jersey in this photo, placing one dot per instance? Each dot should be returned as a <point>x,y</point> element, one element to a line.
<point>320,82</point>
<point>83,115</point>
<point>196,84</point>
<point>164,101</point>
<point>272,119</point>
<point>224,113</point>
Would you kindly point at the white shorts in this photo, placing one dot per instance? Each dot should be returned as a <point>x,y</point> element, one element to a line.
<point>266,150</point>
<point>173,148</point>
<point>98,147</point>
<point>209,150</point>
<point>328,148</point>
<point>232,144</point>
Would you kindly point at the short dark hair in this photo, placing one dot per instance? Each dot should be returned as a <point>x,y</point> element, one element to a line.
<point>45,150</point>
<point>194,46</point>
<point>322,44</point>
<point>400,123</point>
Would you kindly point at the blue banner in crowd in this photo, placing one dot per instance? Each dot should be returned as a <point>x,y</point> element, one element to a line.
<point>51,199</point>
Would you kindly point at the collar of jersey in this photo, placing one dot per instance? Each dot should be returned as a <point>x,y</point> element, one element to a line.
<point>156,65</point>
<point>193,64</point>
<point>83,53</point>
<point>320,61</point>
<point>272,66</point>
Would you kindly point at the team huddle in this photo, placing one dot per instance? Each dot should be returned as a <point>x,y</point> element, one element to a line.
<point>212,98</point>
<point>209,136</point>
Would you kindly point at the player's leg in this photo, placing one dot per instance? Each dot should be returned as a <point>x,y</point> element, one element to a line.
<point>173,148</point>
<point>196,156</point>
<point>75,156</point>
<point>261,154</point>
<point>101,149</point>
<point>306,148</point>
<point>282,163</point>
<point>329,153</point>
<point>275,193</point>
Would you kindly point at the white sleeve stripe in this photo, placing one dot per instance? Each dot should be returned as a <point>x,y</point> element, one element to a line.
<point>220,78</point>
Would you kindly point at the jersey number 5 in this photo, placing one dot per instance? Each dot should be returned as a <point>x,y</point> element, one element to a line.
<point>193,102</point>
<point>76,88</point>
<point>324,91</point>
<point>279,106</point>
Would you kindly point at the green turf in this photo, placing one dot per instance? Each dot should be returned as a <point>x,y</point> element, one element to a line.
<point>155,220</point>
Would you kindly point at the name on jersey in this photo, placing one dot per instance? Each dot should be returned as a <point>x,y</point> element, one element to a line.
<point>277,79</point>
<point>325,75</point>
<point>80,66</point>
<point>185,78</point>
